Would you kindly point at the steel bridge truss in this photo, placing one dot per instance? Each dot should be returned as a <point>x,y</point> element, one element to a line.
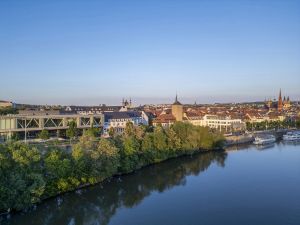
<point>86,122</point>
<point>53,123</point>
<point>27,123</point>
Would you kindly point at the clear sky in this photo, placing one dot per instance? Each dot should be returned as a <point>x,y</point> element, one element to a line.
<point>92,52</point>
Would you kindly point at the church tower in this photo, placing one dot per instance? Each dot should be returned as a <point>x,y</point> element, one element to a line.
<point>177,110</point>
<point>280,104</point>
<point>269,104</point>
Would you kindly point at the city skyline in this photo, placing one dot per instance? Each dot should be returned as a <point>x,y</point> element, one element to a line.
<point>89,53</point>
<point>140,101</point>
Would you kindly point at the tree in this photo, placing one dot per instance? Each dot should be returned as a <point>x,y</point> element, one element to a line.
<point>60,133</point>
<point>44,134</point>
<point>27,176</point>
<point>8,110</point>
<point>59,171</point>
<point>148,143</point>
<point>93,132</point>
<point>129,129</point>
<point>111,132</point>
<point>140,132</point>
<point>173,140</point>
<point>15,137</point>
<point>106,158</point>
<point>21,179</point>
<point>87,142</point>
<point>72,131</point>
<point>148,149</point>
<point>298,123</point>
<point>160,138</point>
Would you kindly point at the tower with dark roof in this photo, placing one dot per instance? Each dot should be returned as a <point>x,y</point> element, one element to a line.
<point>286,103</point>
<point>177,110</point>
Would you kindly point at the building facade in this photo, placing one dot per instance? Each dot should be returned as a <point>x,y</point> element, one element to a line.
<point>177,110</point>
<point>222,123</point>
<point>4,104</point>
<point>118,120</point>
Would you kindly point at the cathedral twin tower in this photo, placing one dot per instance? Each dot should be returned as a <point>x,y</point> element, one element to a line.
<point>282,104</point>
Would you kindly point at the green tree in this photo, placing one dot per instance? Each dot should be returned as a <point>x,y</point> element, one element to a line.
<point>129,154</point>
<point>106,158</point>
<point>59,172</point>
<point>60,133</point>
<point>111,132</point>
<point>148,149</point>
<point>8,110</point>
<point>22,182</point>
<point>72,131</point>
<point>160,144</point>
<point>44,134</point>
<point>129,129</point>
<point>15,137</point>
<point>27,176</point>
<point>174,142</point>
<point>94,132</point>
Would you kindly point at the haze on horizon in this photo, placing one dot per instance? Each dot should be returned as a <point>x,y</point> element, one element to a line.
<point>95,52</point>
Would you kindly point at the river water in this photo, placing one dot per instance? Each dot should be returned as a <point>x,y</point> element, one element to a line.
<point>239,186</point>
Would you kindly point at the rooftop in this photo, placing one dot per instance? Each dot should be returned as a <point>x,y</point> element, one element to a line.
<point>176,101</point>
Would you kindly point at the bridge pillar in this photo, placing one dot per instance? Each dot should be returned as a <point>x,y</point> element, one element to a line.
<point>91,121</point>
<point>65,122</point>
<point>78,120</point>
<point>41,123</point>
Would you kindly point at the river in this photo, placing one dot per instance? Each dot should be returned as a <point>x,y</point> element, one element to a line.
<point>245,185</point>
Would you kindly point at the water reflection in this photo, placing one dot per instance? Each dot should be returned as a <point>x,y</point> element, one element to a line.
<point>237,147</point>
<point>294,143</point>
<point>97,205</point>
<point>265,146</point>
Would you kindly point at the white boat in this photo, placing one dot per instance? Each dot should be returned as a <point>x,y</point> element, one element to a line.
<point>292,136</point>
<point>265,139</point>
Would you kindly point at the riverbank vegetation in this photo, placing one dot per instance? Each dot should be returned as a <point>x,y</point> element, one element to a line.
<point>265,125</point>
<point>28,175</point>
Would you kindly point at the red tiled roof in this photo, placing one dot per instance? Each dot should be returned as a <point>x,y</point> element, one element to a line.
<point>164,118</point>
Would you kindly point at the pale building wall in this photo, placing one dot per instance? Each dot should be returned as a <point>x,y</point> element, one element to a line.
<point>177,111</point>
<point>226,124</point>
<point>6,104</point>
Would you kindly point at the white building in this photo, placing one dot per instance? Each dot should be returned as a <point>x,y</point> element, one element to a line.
<point>118,120</point>
<point>4,104</point>
<point>223,123</point>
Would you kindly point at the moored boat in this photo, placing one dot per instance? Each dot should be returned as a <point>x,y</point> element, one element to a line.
<point>265,139</point>
<point>292,136</point>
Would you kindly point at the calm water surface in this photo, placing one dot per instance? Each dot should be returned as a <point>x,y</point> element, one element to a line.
<point>245,186</point>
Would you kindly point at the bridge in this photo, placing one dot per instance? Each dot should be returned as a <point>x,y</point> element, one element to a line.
<point>11,124</point>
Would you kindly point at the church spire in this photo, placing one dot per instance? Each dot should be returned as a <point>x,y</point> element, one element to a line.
<point>280,98</point>
<point>280,105</point>
<point>176,101</point>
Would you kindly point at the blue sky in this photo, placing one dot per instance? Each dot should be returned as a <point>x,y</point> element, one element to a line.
<point>92,52</point>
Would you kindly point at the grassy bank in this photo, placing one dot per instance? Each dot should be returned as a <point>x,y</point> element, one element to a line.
<point>27,176</point>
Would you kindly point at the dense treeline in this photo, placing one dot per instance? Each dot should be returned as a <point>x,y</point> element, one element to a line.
<point>98,204</point>
<point>8,110</point>
<point>285,124</point>
<point>28,175</point>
